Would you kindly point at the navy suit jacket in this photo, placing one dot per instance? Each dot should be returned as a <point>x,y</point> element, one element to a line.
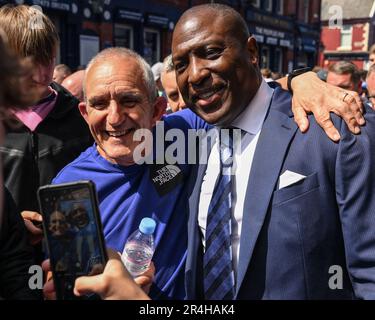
<point>291,237</point>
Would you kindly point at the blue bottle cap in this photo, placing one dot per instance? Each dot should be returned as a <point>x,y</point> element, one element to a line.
<point>147,226</point>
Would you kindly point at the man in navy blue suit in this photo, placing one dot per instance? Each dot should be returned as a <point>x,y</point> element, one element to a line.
<point>302,207</point>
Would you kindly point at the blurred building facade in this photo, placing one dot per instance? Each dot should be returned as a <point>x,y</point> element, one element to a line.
<point>287,31</point>
<point>347,31</point>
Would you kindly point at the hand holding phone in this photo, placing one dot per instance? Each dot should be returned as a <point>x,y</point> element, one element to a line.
<point>34,226</point>
<point>73,231</point>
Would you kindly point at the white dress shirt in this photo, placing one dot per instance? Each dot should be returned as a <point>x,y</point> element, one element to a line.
<point>250,121</point>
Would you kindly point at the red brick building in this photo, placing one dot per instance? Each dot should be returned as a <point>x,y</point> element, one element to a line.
<point>347,31</point>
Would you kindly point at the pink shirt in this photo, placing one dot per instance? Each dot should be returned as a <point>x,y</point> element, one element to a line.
<point>33,116</point>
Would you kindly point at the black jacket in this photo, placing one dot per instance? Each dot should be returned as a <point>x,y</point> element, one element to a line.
<point>16,255</point>
<point>32,159</point>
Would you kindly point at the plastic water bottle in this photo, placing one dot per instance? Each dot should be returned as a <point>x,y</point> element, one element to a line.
<point>139,248</point>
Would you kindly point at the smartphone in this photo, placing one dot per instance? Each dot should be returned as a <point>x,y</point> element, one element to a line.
<point>73,230</point>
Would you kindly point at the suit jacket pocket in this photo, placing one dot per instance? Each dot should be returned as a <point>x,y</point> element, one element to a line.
<point>308,184</point>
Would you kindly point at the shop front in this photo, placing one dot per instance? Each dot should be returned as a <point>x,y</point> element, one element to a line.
<point>274,37</point>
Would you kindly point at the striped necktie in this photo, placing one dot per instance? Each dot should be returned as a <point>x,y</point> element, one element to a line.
<point>217,259</point>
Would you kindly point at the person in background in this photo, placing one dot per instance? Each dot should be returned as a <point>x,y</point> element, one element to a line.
<point>320,72</point>
<point>363,75</point>
<point>50,133</point>
<point>266,74</point>
<point>345,74</point>
<point>168,81</point>
<point>371,55</point>
<point>74,84</point>
<point>60,72</point>
<point>16,254</point>
<point>157,69</point>
<point>370,80</point>
<point>276,75</point>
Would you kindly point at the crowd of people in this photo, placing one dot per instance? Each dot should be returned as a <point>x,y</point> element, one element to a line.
<point>299,197</point>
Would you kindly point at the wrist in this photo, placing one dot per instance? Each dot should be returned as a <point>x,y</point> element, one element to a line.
<point>295,73</point>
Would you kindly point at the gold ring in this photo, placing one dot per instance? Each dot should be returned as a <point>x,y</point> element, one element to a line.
<point>345,95</point>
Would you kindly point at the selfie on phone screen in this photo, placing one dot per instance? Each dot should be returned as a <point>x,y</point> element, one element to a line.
<point>73,235</point>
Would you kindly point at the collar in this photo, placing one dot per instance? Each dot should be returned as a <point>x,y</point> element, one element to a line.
<point>64,103</point>
<point>252,118</point>
<point>51,96</point>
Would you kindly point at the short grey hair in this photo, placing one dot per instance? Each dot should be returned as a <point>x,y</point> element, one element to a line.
<point>168,64</point>
<point>109,53</point>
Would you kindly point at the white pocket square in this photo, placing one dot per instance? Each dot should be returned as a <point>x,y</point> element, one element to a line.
<point>288,178</point>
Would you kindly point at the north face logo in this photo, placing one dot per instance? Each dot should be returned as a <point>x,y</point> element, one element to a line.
<point>166,174</point>
<point>165,178</point>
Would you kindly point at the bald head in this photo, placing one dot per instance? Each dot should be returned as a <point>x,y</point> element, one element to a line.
<point>234,22</point>
<point>216,62</point>
<point>74,84</point>
<point>124,54</point>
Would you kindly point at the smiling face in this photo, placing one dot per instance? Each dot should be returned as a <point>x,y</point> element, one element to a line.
<point>80,217</point>
<point>216,68</point>
<point>57,224</point>
<point>117,104</point>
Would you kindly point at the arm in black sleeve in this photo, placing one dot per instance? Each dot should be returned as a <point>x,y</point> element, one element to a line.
<point>16,255</point>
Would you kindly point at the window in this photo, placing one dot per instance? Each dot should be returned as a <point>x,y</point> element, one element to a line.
<point>346,37</point>
<point>267,5</point>
<point>89,47</point>
<point>255,3</point>
<point>278,60</point>
<point>151,46</point>
<point>124,36</point>
<point>265,57</point>
<point>280,7</point>
<point>306,4</point>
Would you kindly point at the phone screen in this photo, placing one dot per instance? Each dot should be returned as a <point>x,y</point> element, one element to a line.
<point>74,236</point>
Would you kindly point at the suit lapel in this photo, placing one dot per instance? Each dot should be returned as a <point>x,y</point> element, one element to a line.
<point>277,132</point>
